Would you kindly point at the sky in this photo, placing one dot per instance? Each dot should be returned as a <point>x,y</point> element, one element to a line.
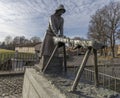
<point>30,17</point>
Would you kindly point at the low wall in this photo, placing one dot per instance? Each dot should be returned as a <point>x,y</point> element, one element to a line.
<point>37,86</point>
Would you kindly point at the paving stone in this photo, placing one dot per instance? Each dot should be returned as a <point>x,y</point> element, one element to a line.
<point>11,86</point>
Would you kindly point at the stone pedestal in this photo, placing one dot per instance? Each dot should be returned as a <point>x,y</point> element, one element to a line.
<point>37,86</point>
<point>55,66</point>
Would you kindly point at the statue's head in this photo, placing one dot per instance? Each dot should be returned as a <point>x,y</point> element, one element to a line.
<point>60,10</point>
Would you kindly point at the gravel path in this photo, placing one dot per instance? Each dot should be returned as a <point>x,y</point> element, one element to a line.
<point>11,86</point>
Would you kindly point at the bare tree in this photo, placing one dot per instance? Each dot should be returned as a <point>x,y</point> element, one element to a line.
<point>19,40</point>
<point>8,40</point>
<point>105,24</point>
<point>96,27</point>
<point>16,40</point>
<point>35,39</point>
<point>22,39</point>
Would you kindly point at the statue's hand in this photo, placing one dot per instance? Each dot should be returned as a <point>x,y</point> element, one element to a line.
<point>62,36</point>
<point>57,35</point>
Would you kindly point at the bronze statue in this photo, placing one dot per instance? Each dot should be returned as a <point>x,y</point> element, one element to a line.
<point>55,28</point>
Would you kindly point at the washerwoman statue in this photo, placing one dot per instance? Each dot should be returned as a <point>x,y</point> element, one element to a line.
<point>55,28</point>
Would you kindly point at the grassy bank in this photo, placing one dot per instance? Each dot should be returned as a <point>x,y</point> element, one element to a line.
<point>6,51</point>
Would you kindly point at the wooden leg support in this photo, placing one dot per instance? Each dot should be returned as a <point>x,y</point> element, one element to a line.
<point>50,58</point>
<point>80,71</point>
<point>64,59</point>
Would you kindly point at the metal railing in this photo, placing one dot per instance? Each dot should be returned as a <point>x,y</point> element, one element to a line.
<point>106,81</point>
<point>108,72</point>
<point>16,62</point>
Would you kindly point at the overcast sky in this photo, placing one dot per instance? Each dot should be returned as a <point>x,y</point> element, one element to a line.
<point>30,17</point>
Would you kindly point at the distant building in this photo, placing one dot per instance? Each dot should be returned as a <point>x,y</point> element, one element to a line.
<point>29,48</point>
<point>118,50</point>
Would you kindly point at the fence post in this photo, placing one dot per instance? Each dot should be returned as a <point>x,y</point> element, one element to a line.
<point>0,60</point>
<point>109,82</point>
<point>115,85</point>
<point>96,67</point>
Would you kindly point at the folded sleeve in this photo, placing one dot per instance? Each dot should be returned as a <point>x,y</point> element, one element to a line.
<point>52,25</point>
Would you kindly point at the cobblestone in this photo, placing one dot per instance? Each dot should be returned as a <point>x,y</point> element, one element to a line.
<point>11,86</point>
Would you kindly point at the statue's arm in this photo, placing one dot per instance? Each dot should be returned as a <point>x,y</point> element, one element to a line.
<point>61,27</point>
<point>52,25</point>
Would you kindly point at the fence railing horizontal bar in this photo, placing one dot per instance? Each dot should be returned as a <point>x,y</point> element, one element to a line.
<point>16,62</point>
<point>103,74</point>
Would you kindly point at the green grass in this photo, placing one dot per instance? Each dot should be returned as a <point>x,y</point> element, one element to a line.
<point>6,51</point>
<point>5,54</point>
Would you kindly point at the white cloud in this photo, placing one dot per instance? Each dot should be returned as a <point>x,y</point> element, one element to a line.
<point>30,17</point>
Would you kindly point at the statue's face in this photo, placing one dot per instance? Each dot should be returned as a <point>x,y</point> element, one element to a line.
<point>60,12</point>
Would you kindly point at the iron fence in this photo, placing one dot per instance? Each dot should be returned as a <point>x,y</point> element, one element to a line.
<point>106,81</point>
<point>109,71</point>
<point>16,62</point>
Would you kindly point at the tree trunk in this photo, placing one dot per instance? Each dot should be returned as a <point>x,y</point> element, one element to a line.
<point>101,52</point>
<point>113,52</point>
<point>113,45</point>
